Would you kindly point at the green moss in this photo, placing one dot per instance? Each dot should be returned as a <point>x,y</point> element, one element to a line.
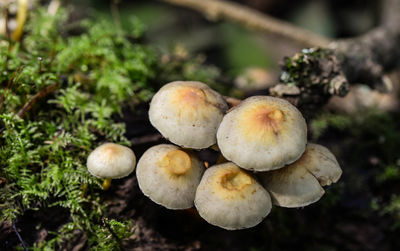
<point>299,69</point>
<point>370,155</point>
<point>43,154</point>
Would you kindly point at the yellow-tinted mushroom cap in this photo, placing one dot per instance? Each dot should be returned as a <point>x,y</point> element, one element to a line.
<point>230,198</point>
<point>187,113</point>
<point>111,161</point>
<point>299,184</point>
<point>169,176</point>
<point>262,133</point>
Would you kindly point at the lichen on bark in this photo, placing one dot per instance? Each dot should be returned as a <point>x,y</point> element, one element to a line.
<point>309,78</point>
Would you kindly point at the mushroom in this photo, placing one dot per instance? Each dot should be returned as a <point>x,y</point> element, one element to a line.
<point>300,183</point>
<point>321,163</point>
<point>262,133</point>
<point>253,79</point>
<point>111,161</point>
<point>230,198</point>
<point>187,113</point>
<point>169,176</point>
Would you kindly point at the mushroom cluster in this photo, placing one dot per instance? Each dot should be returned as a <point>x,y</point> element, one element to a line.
<point>262,140</point>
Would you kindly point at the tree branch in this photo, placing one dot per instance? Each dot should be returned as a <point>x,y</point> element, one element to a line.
<point>253,19</point>
<point>365,59</point>
<point>312,76</point>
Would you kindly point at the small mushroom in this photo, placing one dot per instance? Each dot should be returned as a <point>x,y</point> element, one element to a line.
<point>111,161</point>
<point>300,183</point>
<point>230,198</point>
<point>187,113</point>
<point>169,176</point>
<point>321,163</point>
<point>262,133</point>
<point>253,79</point>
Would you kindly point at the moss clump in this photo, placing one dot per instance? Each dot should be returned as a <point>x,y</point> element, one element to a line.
<point>61,96</point>
<point>369,151</point>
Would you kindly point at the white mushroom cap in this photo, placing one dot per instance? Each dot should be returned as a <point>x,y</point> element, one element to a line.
<point>111,161</point>
<point>187,113</point>
<point>230,198</point>
<point>292,186</point>
<point>262,133</point>
<point>169,176</point>
<point>321,163</point>
<point>300,183</point>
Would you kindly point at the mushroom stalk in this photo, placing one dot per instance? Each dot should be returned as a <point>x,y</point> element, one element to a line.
<point>106,184</point>
<point>21,18</point>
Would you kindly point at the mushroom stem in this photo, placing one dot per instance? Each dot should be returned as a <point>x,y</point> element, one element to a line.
<point>232,102</point>
<point>106,184</point>
<point>21,18</point>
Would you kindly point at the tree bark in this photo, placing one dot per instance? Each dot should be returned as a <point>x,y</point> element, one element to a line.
<point>312,76</point>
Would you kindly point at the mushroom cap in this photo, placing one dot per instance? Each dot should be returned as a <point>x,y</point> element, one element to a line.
<point>262,133</point>
<point>187,113</point>
<point>292,186</point>
<point>169,176</point>
<point>230,198</point>
<point>299,184</point>
<point>111,160</point>
<point>321,163</point>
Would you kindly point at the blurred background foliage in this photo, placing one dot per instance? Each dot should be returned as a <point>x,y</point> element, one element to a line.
<point>107,67</point>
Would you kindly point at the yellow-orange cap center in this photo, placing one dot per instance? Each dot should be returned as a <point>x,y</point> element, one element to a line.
<point>261,123</point>
<point>176,162</point>
<point>235,180</point>
<point>191,96</point>
<point>232,184</point>
<point>111,150</point>
<point>268,119</point>
<point>192,105</point>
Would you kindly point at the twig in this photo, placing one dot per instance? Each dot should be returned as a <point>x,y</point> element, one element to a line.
<point>232,102</point>
<point>214,9</point>
<point>11,83</point>
<point>19,236</point>
<point>365,59</point>
<point>42,93</point>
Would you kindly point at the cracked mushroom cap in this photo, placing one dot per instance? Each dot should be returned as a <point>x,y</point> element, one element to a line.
<point>300,183</point>
<point>169,176</point>
<point>111,161</point>
<point>230,198</point>
<point>262,133</point>
<point>187,113</point>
